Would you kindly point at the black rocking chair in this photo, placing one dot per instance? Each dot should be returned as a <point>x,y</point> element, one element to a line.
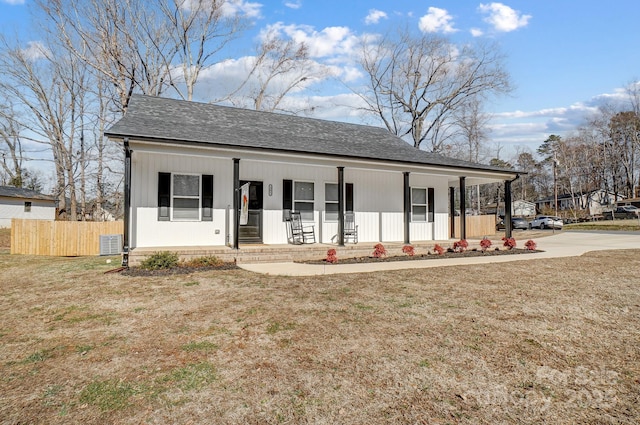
<point>299,233</point>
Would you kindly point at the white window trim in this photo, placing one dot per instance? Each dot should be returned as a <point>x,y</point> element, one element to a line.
<point>329,202</point>
<point>425,205</point>
<point>199,198</point>
<point>305,201</point>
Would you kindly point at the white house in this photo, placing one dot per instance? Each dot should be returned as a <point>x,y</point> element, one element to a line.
<point>522,208</point>
<point>185,160</point>
<point>24,203</point>
<point>594,202</point>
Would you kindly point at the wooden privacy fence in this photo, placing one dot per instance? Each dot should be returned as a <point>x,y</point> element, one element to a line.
<point>60,238</point>
<point>477,226</point>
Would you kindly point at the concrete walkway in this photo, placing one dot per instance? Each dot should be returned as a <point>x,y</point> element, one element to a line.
<point>566,244</point>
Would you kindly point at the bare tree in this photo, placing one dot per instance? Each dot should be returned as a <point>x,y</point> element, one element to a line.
<point>145,46</point>
<point>198,31</point>
<point>472,128</point>
<point>279,68</point>
<point>10,144</point>
<point>48,86</point>
<point>416,83</point>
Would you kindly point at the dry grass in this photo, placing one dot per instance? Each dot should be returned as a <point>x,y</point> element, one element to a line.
<point>613,225</point>
<point>532,341</point>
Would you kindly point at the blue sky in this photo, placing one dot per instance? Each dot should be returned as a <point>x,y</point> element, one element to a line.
<point>565,57</point>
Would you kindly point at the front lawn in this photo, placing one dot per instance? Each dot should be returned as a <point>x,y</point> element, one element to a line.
<point>530,341</point>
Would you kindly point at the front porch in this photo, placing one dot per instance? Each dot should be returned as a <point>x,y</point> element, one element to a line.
<point>260,253</point>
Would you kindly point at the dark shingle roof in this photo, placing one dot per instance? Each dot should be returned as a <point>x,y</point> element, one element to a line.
<point>168,120</point>
<point>17,192</point>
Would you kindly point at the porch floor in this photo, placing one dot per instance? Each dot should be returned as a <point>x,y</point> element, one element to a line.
<point>262,253</point>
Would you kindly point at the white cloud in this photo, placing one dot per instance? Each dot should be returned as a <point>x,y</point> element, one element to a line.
<point>36,50</point>
<point>329,43</point>
<point>241,7</point>
<point>293,4</point>
<point>476,32</point>
<point>374,16</point>
<point>436,20</point>
<point>13,2</point>
<point>503,18</point>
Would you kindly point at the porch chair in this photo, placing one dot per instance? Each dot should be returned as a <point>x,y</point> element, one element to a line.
<point>297,232</point>
<point>350,227</point>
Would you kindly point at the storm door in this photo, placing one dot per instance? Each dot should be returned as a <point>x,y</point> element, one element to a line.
<point>252,231</point>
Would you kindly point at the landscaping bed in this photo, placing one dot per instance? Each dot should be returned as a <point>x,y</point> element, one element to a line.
<point>444,255</point>
<point>165,263</point>
<point>176,270</point>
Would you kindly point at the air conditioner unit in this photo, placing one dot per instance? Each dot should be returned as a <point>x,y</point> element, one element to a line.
<point>110,244</point>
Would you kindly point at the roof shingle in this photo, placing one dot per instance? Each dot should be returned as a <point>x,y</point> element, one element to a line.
<point>18,192</point>
<point>169,120</point>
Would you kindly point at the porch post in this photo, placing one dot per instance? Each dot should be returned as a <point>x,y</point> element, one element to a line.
<point>340,206</point>
<point>463,208</point>
<point>407,208</point>
<point>236,206</point>
<point>127,203</point>
<point>507,209</point>
<point>452,211</point>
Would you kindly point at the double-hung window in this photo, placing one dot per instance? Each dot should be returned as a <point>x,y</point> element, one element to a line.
<point>303,199</point>
<point>331,200</point>
<point>422,204</point>
<point>185,197</point>
<point>418,204</point>
<point>298,196</point>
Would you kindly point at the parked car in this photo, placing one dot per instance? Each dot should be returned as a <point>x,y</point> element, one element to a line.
<point>516,223</point>
<point>623,212</point>
<point>546,222</point>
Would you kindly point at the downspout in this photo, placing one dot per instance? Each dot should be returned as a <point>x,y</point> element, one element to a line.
<point>507,207</point>
<point>127,202</point>
<point>340,206</point>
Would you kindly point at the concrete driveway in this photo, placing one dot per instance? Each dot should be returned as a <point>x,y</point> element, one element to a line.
<point>565,244</point>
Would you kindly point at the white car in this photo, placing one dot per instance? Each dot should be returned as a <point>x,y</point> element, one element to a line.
<point>546,222</point>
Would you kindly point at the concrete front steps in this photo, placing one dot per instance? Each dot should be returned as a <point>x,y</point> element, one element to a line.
<point>248,254</point>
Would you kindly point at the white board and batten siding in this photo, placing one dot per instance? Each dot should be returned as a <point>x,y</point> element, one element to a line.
<point>15,208</point>
<point>378,197</point>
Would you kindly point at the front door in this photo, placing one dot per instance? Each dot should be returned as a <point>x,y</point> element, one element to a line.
<point>252,231</point>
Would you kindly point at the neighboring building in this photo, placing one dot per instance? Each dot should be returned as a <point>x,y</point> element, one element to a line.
<point>591,203</point>
<point>519,208</point>
<point>630,201</point>
<point>184,161</point>
<point>522,208</point>
<point>24,203</point>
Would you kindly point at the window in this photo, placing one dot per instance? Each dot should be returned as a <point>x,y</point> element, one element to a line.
<point>185,197</point>
<point>303,199</point>
<point>331,202</point>
<point>27,206</point>
<point>418,204</point>
<point>298,196</point>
